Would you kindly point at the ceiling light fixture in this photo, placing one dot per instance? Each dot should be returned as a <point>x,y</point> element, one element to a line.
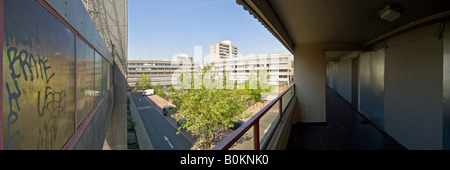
<point>389,14</point>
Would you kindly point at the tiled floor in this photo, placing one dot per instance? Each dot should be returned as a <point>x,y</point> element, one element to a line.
<point>345,129</point>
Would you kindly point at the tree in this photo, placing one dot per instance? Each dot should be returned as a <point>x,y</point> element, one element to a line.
<point>256,85</point>
<point>209,109</point>
<point>144,82</point>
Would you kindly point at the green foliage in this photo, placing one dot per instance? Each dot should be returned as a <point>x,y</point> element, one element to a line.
<point>173,111</point>
<point>144,82</point>
<point>256,85</point>
<point>207,108</point>
<point>157,87</point>
<point>131,124</point>
<point>208,102</point>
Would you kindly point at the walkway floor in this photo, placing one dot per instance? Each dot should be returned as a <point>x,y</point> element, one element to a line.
<point>345,129</point>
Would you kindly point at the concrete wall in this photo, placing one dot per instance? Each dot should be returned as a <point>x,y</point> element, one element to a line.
<point>94,134</point>
<point>309,77</point>
<point>345,74</point>
<point>400,87</point>
<point>371,91</point>
<point>331,75</point>
<point>111,19</point>
<point>339,77</point>
<point>117,129</point>
<point>355,83</point>
<point>360,81</point>
<point>446,90</point>
<point>414,88</point>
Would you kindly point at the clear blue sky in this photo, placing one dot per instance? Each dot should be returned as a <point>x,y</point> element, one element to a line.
<point>160,29</point>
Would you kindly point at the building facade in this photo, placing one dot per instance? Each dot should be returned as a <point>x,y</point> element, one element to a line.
<point>277,66</point>
<point>60,80</point>
<point>222,50</point>
<point>223,56</point>
<point>164,73</point>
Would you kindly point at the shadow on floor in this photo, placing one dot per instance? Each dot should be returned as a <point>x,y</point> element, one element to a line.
<point>345,129</point>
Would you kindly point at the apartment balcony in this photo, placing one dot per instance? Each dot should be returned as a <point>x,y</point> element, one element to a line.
<point>365,79</point>
<point>266,129</point>
<point>273,128</point>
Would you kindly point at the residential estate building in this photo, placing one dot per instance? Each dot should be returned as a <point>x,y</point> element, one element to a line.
<point>223,56</point>
<point>222,50</point>
<point>278,67</point>
<point>162,72</point>
<point>238,69</point>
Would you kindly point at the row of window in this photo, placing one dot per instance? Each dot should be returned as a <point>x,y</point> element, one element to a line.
<point>254,65</point>
<point>152,78</point>
<point>151,68</point>
<point>53,79</point>
<point>159,64</point>
<point>262,60</point>
<point>94,78</point>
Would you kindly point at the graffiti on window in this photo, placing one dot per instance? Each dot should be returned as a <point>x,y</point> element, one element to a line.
<point>38,73</point>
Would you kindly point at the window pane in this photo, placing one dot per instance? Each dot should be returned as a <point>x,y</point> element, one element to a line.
<point>246,142</point>
<point>111,82</point>
<point>105,77</point>
<point>85,80</point>
<point>108,75</point>
<point>38,78</point>
<point>267,123</point>
<point>98,77</point>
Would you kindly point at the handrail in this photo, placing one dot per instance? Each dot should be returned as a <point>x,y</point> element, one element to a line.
<point>229,141</point>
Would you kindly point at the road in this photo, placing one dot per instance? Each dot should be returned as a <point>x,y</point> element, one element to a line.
<point>266,126</point>
<point>162,134</point>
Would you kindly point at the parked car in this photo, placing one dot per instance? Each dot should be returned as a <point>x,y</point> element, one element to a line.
<point>237,124</point>
<point>168,109</point>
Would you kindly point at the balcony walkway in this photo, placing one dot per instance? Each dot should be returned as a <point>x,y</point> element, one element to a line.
<point>346,129</point>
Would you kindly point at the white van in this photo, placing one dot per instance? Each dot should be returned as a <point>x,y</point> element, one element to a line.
<point>148,92</point>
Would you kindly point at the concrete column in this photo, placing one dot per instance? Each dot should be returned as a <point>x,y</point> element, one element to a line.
<point>310,88</point>
<point>116,137</point>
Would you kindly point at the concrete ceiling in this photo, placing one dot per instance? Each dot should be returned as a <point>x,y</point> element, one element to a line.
<point>347,21</point>
<point>335,54</point>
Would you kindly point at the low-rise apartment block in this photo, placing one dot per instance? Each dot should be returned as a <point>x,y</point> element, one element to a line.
<point>223,56</point>
<point>162,72</point>
<point>277,66</point>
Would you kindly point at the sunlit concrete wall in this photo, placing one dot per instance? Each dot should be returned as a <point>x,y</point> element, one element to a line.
<point>309,78</point>
<point>111,19</point>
